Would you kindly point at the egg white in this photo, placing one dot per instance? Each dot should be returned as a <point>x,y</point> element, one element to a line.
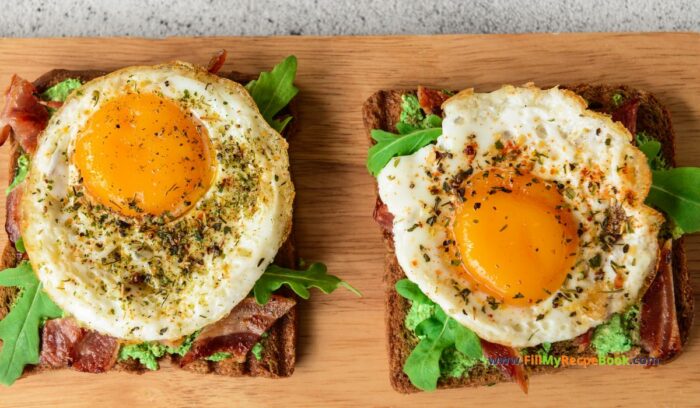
<point>554,129</point>
<point>68,252</point>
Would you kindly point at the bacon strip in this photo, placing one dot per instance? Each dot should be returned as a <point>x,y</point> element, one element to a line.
<point>217,61</point>
<point>515,372</point>
<point>240,330</point>
<point>659,332</point>
<point>12,213</point>
<point>383,217</point>
<point>431,100</point>
<point>65,344</point>
<point>22,115</point>
<point>627,114</point>
<point>584,340</point>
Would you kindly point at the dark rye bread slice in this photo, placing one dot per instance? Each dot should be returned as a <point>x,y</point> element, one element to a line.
<point>278,358</point>
<point>382,111</point>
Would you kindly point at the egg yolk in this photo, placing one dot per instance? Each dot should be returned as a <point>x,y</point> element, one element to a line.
<point>516,237</point>
<point>142,154</point>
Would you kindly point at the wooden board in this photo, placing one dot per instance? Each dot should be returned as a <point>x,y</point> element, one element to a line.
<point>342,356</point>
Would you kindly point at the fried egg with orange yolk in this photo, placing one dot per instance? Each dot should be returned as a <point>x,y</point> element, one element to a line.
<point>155,200</point>
<point>526,220</point>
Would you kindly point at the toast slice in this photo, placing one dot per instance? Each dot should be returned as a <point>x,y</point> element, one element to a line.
<point>278,357</point>
<point>382,110</point>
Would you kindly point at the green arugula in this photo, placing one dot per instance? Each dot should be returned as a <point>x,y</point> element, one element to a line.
<point>416,130</point>
<point>676,191</point>
<point>390,145</point>
<point>652,150</point>
<point>300,282</point>
<point>19,329</point>
<point>438,333</point>
<point>61,90</point>
<point>273,90</point>
<point>20,173</point>
<point>19,245</point>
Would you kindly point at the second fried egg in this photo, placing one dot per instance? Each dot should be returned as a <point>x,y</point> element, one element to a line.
<point>526,220</point>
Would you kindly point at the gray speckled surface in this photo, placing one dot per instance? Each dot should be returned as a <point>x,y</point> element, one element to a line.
<point>152,18</point>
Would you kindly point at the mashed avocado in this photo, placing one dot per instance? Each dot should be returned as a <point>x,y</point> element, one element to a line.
<point>618,334</point>
<point>411,111</point>
<point>61,90</point>
<point>219,356</point>
<point>418,313</point>
<point>148,353</point>
<point>259,347</point>
<point>145,353</point>
<point>455,364</point>
<point>413,118</point>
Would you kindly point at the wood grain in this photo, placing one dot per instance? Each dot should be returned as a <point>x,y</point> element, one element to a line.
<point>342,359</point>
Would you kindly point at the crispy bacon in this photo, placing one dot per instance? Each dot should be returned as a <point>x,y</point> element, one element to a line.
<point>431,100</point>
<point>65,344</point>
<point>22,115</point>
<point>515,372</point>
<point>240,330</point>
<point>51,104</point>
<point>584,340</point>
<point>383,217</point>
<point>57,342</point>
<point>95,353</point>
<point>217,61</point>
<point>659,332</point>
<point>627,114</point>
<point>12,213</point>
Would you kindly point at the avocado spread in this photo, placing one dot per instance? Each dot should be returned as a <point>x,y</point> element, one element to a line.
<point>412,116</point>
<point>618,334</point>
<point>148,353</point>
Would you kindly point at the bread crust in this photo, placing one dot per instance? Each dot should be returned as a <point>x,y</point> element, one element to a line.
<point>279,354</point>
<point>382,110</point>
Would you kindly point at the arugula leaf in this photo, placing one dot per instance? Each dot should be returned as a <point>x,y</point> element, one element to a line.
<point>19,245</point>
<point>423,364</point>
<point>652,150</point>
<point>411,291</point>
<point>273,90</point>
<point>390,145</point>
<point>19,330</point>
<point>677,192</point>
<point>61,90</point>
<point>416,129</point>
<point>315,276</point>
<point>20,173</point>
<point>438,334</point>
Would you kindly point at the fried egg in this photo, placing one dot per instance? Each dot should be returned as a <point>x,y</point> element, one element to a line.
<point>526,220</point>
<point>155,200</point>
